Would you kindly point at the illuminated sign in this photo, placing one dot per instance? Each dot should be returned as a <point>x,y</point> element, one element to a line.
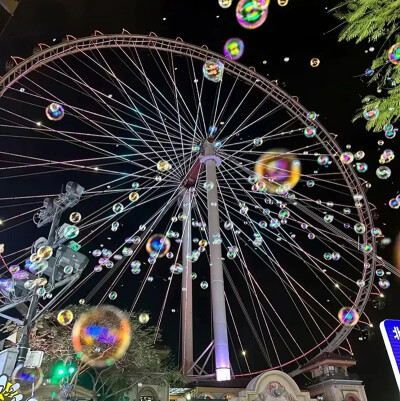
<point>390,330</point>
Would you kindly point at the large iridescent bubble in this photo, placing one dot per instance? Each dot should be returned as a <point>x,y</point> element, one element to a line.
<point>280,170</point>
<point>101,336</point>
<point>29,379</point>
<point>234,48</point>
<point>249,16</point>
<point>158,243</point>
<point>394,54</point>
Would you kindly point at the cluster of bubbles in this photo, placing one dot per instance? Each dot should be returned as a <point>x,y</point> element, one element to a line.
<point>390,131</point>
<point>332,256</point>
<point>54,112</point>
<point>232,252</point>
<point>251,14</point>
<point>233,48</point>
<point>213,70</point>
<point>348,316</point>
<point>386,157</point>
<point>280,170</point>
<point>101,336</point>
<point>394,54</point>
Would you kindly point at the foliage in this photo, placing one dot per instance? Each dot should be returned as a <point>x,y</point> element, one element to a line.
<point>141,362</point>
<point>373,20</point>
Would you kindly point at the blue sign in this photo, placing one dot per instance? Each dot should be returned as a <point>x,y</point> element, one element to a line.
<point>390,330</point>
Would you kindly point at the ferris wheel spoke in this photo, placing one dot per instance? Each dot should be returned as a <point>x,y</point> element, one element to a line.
<point>261,344</point>
<point>290,240</point>
<point>113,75</point>
<point>299,248</point>
<point>269,318</point>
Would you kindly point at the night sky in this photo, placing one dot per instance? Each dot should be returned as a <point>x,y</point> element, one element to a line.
<point>302,30</point>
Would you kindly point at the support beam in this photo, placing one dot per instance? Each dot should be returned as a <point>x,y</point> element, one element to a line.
<point>187,307</point>
<point>222,365</point>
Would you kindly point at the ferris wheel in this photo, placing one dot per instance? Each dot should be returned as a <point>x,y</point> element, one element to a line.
<point>235,189</point>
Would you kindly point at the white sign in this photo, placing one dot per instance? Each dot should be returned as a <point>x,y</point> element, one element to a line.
<point>34,359</point>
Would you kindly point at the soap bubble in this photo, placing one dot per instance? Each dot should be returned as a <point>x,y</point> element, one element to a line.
<point>28,379</point>
<point>280,169</point>
<point>176,268</point>
<point>310,132</point>
<point>359,155</point>
<point>390,135</point>
<point>204,285</point>
<point>249,16</point>
<point>314,62</point>
<point>384,283</point>
<point>348,316</point>
<point>55,112</point>
<point>371,114</point>
<point>312,115</point>
<point>112,295</point>
<point>346,157</point>
<point>213,70</point>
<point>65,317</point>
<point>68,270</point>
<point>359,228</point>
<point>101,336</point>
<point>71,232</point>
<point>114,226</point>
<point>323,160</point>
<point>96,253</point>
<point>45,252</point>
<point>163,165</point>
<point>75,217</point>
<point>256,142</point>
<point>361,167</point>
<point>383,172</point>
<point>394,54</point>
<point>208,185</point>
<point>369,72</point>
<point>234,48</point>
<point>328,218</point>
<point>158,243</point>
<point>394,203</point>
<point>144,318</point>
<point>118,208</point>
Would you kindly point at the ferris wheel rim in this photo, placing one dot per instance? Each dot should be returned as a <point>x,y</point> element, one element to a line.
<point>246,74</point>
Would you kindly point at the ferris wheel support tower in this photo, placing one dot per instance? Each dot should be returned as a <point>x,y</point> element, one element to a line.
<point>221,347</point>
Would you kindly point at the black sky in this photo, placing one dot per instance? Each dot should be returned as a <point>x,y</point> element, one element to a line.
<point>300,31</point>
